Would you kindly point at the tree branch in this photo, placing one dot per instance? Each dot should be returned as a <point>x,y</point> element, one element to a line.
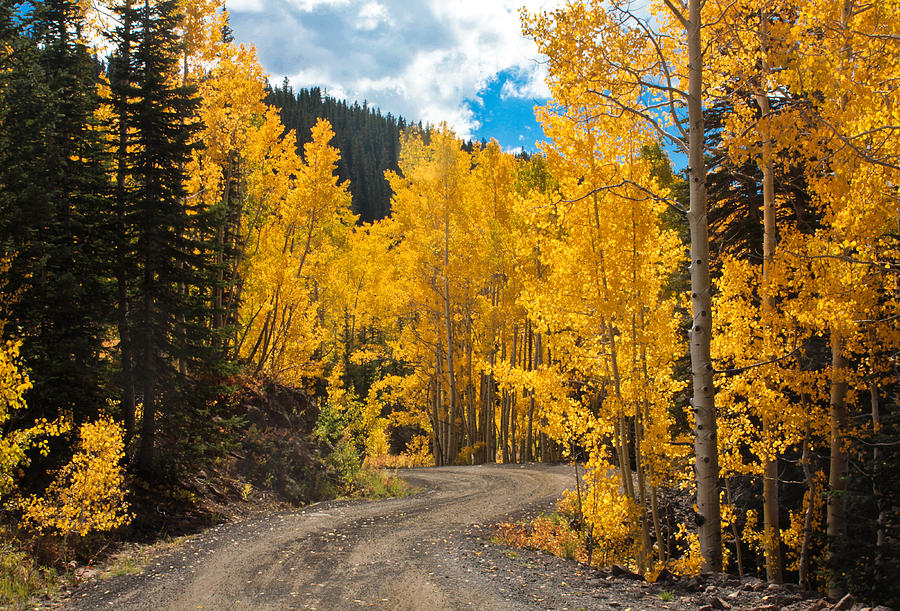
<point>738,370</point>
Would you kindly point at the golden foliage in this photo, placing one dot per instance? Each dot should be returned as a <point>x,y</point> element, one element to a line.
<point>88,493</point>
<point>17,443</point>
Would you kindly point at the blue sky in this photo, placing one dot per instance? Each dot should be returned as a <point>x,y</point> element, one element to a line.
<point>506,117</point>
<point>464,62</point>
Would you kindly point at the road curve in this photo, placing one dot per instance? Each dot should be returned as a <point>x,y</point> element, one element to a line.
<point>391,554</point>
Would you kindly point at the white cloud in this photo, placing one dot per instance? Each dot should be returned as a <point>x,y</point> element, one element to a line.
<point>531,84</point>
<point>372,15</point>
<point>419,59</point>
<point>252,6</point>
<point>309,5</point>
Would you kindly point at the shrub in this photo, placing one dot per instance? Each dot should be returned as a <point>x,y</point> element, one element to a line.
<point>88,493</point>
<point>15,445</point>
<point>20,577</point>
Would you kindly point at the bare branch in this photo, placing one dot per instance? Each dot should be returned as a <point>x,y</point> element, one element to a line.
<point>738,370</point>
<point>624,182</point>
<point>678,12</point>
<point>654,123</point>
<point>669,89</point>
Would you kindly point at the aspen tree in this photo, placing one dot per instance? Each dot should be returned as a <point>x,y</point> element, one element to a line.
<point>429,210</point>
<point>849,52</point>
<point>834,60</point>
<point>311,218</point>
<point>231,112</point>
<point>658,78</point>
<point>751,36</point>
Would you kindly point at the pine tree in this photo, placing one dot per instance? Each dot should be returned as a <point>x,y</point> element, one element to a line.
<point>156,221</point>
<point>121,71</point>
<point>53,230</point>
<point>369,142</point>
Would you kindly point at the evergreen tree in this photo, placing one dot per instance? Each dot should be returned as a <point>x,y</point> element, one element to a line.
<point>157,224</point>
<point>123,90</point>
<point>736,199</point>
<point>53,230</point>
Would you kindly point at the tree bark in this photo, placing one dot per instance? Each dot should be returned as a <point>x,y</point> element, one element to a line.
<point>803,563</point>
<point>774,564</point>
<point>772,541</point>
<point>836,518</point>
<point>435,425</point>
<point>448,327</point>
<point>529,440</point>
<point>147,451</point>
<point>657,526</point>
<point>704,392</point>
<point>504,410</point>
<point>125,340</point>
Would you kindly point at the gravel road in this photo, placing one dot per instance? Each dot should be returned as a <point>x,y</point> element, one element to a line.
<point>428,552</point>
<point>420,552</point>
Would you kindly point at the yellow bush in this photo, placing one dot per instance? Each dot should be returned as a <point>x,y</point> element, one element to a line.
<point>15,445</point>
<point>418,451</point>
<point>88,493</point>
<point>611,514</point>
<point>692,561</point>
<point>417,454</point>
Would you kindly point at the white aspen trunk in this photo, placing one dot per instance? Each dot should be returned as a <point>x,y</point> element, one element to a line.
<point>621,427</point>
<point>513,361</point>
<point>803,564</point>
<point>836,509</point>
<point>451,448</point>
<point>504,411</point>
<point>704,391</point>
<point>772,541</point>
<point>654,508</point>
<point>836,518</point>
<point>774,564</point>
<point>529,366</point>
<point>435,421</point>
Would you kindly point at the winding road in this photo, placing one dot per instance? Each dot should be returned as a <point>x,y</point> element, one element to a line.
<point>392,554</point>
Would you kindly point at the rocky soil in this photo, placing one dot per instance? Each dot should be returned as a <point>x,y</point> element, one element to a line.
<point>428,551</point>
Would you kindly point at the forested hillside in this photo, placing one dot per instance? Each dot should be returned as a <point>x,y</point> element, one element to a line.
<point>720,344</point>
<point>369,142</point>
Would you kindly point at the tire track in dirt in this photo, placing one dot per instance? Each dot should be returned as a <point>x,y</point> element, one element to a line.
<point>391,554</point>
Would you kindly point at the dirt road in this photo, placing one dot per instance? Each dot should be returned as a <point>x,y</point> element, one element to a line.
<point>393,554</point>
<point>426,552</point>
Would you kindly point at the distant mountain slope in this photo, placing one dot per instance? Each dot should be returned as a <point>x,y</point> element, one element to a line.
<point>368,141</point>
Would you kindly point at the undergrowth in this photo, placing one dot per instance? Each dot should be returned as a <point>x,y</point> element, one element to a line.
<point>552,533</point>
<point>21,577</point>
<point>379,484</point>
<point>559,533</point>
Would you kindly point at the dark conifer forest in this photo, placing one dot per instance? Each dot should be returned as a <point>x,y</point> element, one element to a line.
<point>369,142</point>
